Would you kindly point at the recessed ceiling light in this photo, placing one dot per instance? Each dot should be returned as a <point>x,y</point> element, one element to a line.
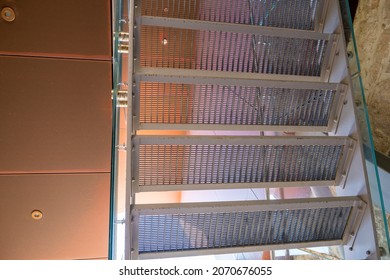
<point>36,215</point>
<point>8,14</point>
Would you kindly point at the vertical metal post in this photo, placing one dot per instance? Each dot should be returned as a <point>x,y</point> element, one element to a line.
<point>116,28</point>
<point>129,173</point>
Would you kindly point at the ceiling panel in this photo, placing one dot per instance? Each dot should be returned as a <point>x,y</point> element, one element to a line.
<point>57,28</point>
<point>55,115</point>
<point>75,216</point>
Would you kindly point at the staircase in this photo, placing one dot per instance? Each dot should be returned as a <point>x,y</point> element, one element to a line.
<point>238,95</point>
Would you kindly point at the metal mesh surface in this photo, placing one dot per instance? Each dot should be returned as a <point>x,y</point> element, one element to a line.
<point>219,164</point>
<point>295,14</point>
<point>175,232</point>
<point>167,103</point>
<point>228,51</point>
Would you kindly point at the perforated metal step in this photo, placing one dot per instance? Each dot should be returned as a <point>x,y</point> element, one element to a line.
<point>173,230</point>
<point>194,162</point>
<point>269,37</point>
<point>277,106</point>
<point>179,44</point>
<point>295,14</point>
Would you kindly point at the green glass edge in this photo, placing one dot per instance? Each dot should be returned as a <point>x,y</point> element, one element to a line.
<point>374,180</point>
<point>116,11</point>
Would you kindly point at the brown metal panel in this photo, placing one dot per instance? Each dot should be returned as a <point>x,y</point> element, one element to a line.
<point>75,216</point>
<point>55,115</point>
<point>57,28</point>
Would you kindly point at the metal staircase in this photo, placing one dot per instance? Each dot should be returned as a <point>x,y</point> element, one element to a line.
<point>218,71</point>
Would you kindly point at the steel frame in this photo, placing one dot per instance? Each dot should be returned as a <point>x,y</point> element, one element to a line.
<point>232,27</point>
<point>320,17</point>
<point>130,198</point>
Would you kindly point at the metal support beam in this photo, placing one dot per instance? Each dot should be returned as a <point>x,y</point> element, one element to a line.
<point>232,27</point>
<point>129,162</point>
<point>192,76</point>
<point>185,76</point>
<point>240,140</point>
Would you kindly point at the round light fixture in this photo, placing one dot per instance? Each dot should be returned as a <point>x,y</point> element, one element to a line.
<point>8,14</point>
<point>36,215</point>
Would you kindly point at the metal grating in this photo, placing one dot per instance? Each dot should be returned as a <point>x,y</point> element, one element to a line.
<point>295,14</point>
<point>202,230</point>
<point>229,51</point>
<point>170,103</point>
<point>224,164</point>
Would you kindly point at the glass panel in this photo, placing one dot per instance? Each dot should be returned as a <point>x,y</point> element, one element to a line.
<point>365,131</point>
<point>118,152</point>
